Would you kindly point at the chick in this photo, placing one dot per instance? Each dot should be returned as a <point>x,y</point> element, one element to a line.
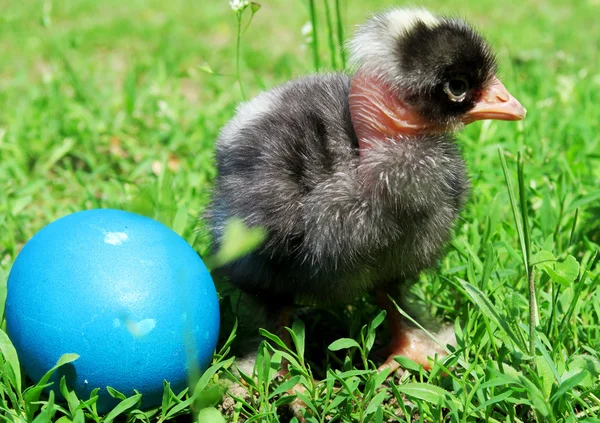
<point>357,179</point>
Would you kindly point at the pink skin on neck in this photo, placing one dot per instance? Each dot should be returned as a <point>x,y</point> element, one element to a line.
<point>378,114</point>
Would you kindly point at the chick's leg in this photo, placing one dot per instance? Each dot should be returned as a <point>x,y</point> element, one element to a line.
<point>408,340</point>
<point>282,320</point>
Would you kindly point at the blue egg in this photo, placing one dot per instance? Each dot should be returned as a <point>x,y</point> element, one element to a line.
<point>123,291</point>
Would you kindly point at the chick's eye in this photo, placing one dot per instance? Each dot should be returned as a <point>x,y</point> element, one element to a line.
<point>456,88</point>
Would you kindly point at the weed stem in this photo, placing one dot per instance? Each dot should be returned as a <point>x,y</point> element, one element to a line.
<point>330,32</point>
<point>340,32</point>
<point>533,315</point>
<point>315,43</point>
<point>237,54</point>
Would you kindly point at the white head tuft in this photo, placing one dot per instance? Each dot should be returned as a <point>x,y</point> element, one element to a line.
<point>372,45</point>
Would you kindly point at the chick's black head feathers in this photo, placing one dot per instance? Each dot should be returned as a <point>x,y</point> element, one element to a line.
<point>438,66</point>
<point>438,63</point>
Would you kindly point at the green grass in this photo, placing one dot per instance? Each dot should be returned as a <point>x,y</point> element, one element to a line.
<point>108,104</point>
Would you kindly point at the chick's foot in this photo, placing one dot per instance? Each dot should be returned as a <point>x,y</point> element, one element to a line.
<point>414,344</point>
<point>409,341</point>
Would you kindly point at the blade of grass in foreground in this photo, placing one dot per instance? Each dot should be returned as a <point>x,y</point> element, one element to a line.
<point>10,357</point>
<point>340,32</point>
<point>533,310</point>
<point>330,31</point>
<point>315,40</point>
<point>488,309</point>
<point>515,210</point>
<point>524,239</point>
<point>523,203</point>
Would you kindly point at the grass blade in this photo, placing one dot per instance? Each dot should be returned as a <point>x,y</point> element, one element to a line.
<point>375,403</point>
<point>569,384</point>
<point>515,210</point>
<point>123,406</point>
<point>330,31</point>
<point>238,50</point>
<point>487,308</point>
<point>533,309</point>
<point>572,235</point>
<point>424,391</point>
<point>340,32</point>
<point>10,355</point>
<point>208,374</point>
<point>524,239</point>
<point>523,204</point>
<point>47,413</point>
<point>298,334</point>
<point>315,35</point>
<point>64,359</point>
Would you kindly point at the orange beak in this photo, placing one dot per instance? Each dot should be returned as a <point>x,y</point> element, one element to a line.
<point>496,103</point>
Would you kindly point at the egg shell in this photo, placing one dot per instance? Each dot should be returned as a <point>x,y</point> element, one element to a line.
<point>123,291</point>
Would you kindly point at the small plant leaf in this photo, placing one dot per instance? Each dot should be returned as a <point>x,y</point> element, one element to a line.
<point>343,343</point>
<point>371,331</point>
<point>285,386</point>
<point>33,393</point>
<point>545,374</point>
<point>10,355</point>
<point>238,240</point>
<point>536,397</point>
<point>424,391</point>
<point>79,417</point>
<point>564,273</point>
<point>65,359</point>
<point>495,399</point>
<point>584,362</point>
<point>352,373</point>
<point>568,269</point>
<point>569,384</point>
<point>205,67</point>
<point>272,337</point>
<point>47,413</point>
<point>491,259</point>
<point>543,258</point>
<point>298,336</point>
<point>518,217</point>
<point>284,400</point>
<point>226,346</point>
<point>408,364</point>
<point>70,396</point>
<point>116,394</point>
<point>210,415</point>
<point>166,398</point>
<point>179,407</point>
<point>375,402</point>
<point>487,308</point>
<point>254,7</point>
<point>180,220</point>
<point>381,377</point>
<point>121,407</point>
<point>210,397</point>
<point>208,374</point>
<point>308,401</point>
<point>262,366</point>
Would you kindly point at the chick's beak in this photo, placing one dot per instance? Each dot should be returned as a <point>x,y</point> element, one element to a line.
<point>496,103</point>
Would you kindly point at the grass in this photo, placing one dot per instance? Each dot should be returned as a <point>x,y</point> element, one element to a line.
<point>113,104</point>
